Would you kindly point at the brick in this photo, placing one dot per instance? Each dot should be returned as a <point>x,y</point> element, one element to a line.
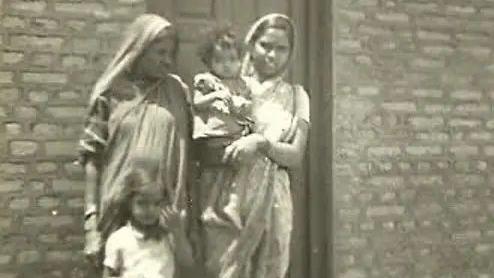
<point>427,93</point>
<point>29,257</point>
<point>466,236</point>
<point>368,91</point>
<point>12,168</point>
<point>393,18</point>
<point>464,150</point>
<point>74,62</point>
<point>8,186</point>
<point>88,45</point>
<point>30,6</point>
<point>13,129</point>
<point>426,123</point>
<point>428,180</point>
<point>37,185</point>
<point>75,203</point>
<point>439,50</point>
<point>19,204</point>
<point>109,28</point>
<point>421,7</point>
<point>37,42</point>
<point>400,106</point>
<point>433,136</point>
<point>44,130</point>
<point>437,108</point>
<point>39,96</point>
<point>423,150</point>
<point>433,36</point>
<point>384,151</point>
<point>460,10</point>
<point>480,136</point>
<point>6,77</point>
<point>80,9</point>
<point>48,238</point>
<point>42,60</point>
<point>56,78</point>
<point>45,23</point>
<point>14,22</point>
<point>383,211</point>
<point>464,123</point>
<point>67,112</point>
<point>25,112</point>
<point>76,25</point>
<point>61,148</point>
<point>69,95</point>
<point>387,182</point>
<point>48,202</point>
<point>471,108</point>
<point>466,95</point>
<point>58,256</point>
<point>427,63</point>
<point>46,167</point>
<point>5,259</point>
<point>51,221</point>
<point>12,57</point>
<point>64,185</point>
<point>24,148</point>
<point>9,95</point>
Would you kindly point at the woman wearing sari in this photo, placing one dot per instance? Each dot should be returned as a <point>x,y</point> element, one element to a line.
<point>138,116</point>
<point>260,248</point>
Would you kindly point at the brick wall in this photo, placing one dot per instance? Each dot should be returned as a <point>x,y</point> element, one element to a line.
<point>413,131</point>
<point>51,53</point>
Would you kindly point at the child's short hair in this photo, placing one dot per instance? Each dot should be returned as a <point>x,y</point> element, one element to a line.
<point>137,181</point>
<point>214,35</point>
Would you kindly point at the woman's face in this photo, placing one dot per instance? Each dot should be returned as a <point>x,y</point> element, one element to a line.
<point>270,52</point>
<point>156,61</point>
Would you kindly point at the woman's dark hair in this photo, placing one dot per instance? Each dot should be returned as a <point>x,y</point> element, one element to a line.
<point>214,35</point>
<point>276,23</point>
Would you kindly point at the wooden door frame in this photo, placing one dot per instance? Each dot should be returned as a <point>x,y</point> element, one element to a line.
<point>320,82</point>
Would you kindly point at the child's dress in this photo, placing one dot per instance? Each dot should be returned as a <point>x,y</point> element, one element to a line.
<point>214,129</point>
<point>132,255</point>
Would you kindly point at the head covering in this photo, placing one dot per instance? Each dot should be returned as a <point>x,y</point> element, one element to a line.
<point>139,35</point>
<point>247,66</point>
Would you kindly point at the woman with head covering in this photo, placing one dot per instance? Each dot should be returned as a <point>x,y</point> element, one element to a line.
<point>260,248</point>
<point>138,117</point>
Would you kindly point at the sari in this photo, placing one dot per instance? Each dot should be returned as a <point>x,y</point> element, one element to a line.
<point>126,129</point>
<point>260,249</point>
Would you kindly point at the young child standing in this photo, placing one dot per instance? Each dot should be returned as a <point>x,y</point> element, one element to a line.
<point>222,110</point>
<point>153,240</point>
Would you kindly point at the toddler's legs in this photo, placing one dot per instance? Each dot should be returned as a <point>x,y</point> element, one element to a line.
<point>232,210</point>
<point>209,216</point>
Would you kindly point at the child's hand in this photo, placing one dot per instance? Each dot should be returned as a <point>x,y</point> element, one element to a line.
<point>223,95</point>
<point>173,219</point>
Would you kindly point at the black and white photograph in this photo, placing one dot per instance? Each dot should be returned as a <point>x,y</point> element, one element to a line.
<point>246,139</point>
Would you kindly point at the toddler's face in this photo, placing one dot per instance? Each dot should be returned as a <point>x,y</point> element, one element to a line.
<point>145,208</point>
<point>225,61</point>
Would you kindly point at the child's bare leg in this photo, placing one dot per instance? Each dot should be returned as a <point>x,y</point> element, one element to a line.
<point>232,210</point>
<point>209,215</point>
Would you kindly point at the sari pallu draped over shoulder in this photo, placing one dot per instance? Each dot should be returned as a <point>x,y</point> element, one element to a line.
<point>261,248</point>
<point>150,132</point>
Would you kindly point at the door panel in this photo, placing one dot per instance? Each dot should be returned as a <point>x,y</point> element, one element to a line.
<point>192,17</point>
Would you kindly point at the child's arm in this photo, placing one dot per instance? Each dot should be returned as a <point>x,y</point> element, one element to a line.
<point>175,221</point>
<point>204,101</point>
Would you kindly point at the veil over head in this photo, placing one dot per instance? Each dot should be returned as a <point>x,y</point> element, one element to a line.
<point>138,37</point>
<point>252,35</point>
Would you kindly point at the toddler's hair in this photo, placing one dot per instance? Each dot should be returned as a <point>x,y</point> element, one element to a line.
<point>138,181</point>
<point>215,35</point>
